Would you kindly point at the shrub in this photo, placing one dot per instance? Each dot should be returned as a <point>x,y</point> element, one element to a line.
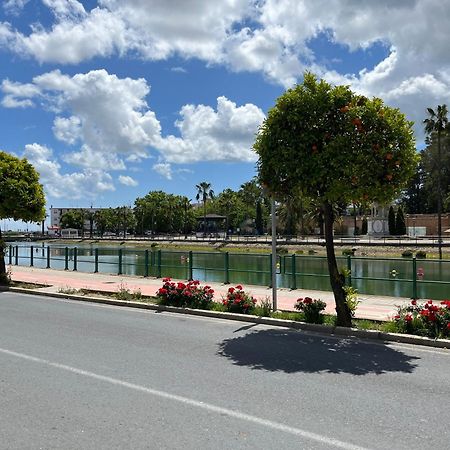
<point>264,309</point>
<point>351,298</point>
<point>407,254</point>
<point>426,319</point>
<point>421,254</point>
<point>238,301</point>
<point>185,295</point>
<point>311,308</point>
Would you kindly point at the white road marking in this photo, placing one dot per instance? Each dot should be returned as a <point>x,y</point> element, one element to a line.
<point>187,401</point>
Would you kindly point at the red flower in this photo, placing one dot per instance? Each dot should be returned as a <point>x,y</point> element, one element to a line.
<point>413,302</point>
<point>397,317</point>
<point>167,279</point>
<point>239,287</point>
<point>231,290</point>
<point>408,318</point>
<point>307,300</point>
<point>432,317</point>
<point>448,326</point>
<point>162,291</point>
<point>430,302</point>
<point>425,312</point>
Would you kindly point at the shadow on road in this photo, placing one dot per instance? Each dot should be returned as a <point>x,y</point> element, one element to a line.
<point>290,352</point>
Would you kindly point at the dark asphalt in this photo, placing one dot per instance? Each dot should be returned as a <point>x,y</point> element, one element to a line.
<point>85,376</point>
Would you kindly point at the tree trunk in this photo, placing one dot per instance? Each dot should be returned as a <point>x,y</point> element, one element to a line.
<point>344,318</point>
<point>3,277</point>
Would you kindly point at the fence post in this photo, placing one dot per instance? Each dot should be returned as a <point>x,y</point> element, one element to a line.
<point>119,272</point>
<point>227,268</point>
<point>66,258</point>
<point>191,265</point>
<point>75,255</point>
<point>31,256</point>
<point>16,255</point>
<point>146,263</point>
<point>10,254</point>
<point>294,273</point>
<point>158,274</point>
<point>48,257</point>
<point>95,260</point>
<point>414,274</point>
<point>349,268</point>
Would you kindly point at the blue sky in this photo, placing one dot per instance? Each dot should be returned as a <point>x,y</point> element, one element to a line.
<point>111,99</point>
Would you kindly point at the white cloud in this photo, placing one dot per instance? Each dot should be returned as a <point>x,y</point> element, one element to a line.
<point>14,6</point>
<point>75,185</point>
<point>164,169</point>
<point>226,134</point>
<point>275,41</point>
<point>109,119</point>
<point>178,69</point>
<point>107,115</point>
<point>127,181</point>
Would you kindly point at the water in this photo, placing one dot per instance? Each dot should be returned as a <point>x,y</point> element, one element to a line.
<point>380,276</point>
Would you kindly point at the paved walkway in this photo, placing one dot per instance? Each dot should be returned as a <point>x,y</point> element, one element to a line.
<point>371,306</point>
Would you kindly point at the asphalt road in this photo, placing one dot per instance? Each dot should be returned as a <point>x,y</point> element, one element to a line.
<point>86,376</point>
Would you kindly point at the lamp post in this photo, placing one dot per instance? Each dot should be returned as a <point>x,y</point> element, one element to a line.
<point>274,254</point>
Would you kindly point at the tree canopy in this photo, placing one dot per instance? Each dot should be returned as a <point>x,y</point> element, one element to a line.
<point>334,146</point>
<point>21,196</point>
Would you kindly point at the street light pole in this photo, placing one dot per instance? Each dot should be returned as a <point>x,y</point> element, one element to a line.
<point>274,254</point>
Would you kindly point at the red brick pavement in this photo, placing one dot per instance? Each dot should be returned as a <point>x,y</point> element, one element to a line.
<point>371,306</point>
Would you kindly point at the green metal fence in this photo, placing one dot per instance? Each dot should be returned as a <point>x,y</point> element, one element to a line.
<point>402,277</point>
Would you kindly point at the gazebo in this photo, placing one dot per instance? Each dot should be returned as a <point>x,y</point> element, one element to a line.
<point>211,224</point>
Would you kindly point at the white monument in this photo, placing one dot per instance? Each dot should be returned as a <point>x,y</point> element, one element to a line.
<point>377,223</point>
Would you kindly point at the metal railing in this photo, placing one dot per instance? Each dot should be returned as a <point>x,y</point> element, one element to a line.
<point>402,277</point>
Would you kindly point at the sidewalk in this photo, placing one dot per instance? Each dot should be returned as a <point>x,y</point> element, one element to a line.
<point>371,306</point>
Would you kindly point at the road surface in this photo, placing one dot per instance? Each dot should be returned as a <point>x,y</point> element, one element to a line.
<point>86,376</point>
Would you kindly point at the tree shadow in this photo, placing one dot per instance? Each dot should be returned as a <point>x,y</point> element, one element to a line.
<point>292,351</point>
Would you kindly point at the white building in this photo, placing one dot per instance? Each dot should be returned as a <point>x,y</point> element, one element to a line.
<point>57,213</point>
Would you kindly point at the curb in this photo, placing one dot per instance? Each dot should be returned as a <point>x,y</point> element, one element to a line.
<point>310,327</point>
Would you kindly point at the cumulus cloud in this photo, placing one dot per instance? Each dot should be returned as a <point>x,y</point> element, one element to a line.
<point>108,116</point>
<point>110,122</point>
<point>127,180</point>
<point>14,6</point>
<point>224,134</point>
<point>272,37</point>
<point>164,169</point>
<point>75,185</point>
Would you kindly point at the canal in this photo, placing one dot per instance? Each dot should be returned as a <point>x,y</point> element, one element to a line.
<point>399,277</point>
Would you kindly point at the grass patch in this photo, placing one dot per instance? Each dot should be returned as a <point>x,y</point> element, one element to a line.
<point>26,285</point>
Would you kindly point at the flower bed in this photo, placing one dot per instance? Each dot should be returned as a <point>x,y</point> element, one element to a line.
<point>424,319</point>
<point>312,309</point>
<point>238,301</point>
<point>185,295</point>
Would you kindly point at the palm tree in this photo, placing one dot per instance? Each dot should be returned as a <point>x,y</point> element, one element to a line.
<point>436,123</point>
<point>204,192</point>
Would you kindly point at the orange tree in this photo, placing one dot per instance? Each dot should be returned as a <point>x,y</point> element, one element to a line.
<point>21,196</point>
<point>334,146</point>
